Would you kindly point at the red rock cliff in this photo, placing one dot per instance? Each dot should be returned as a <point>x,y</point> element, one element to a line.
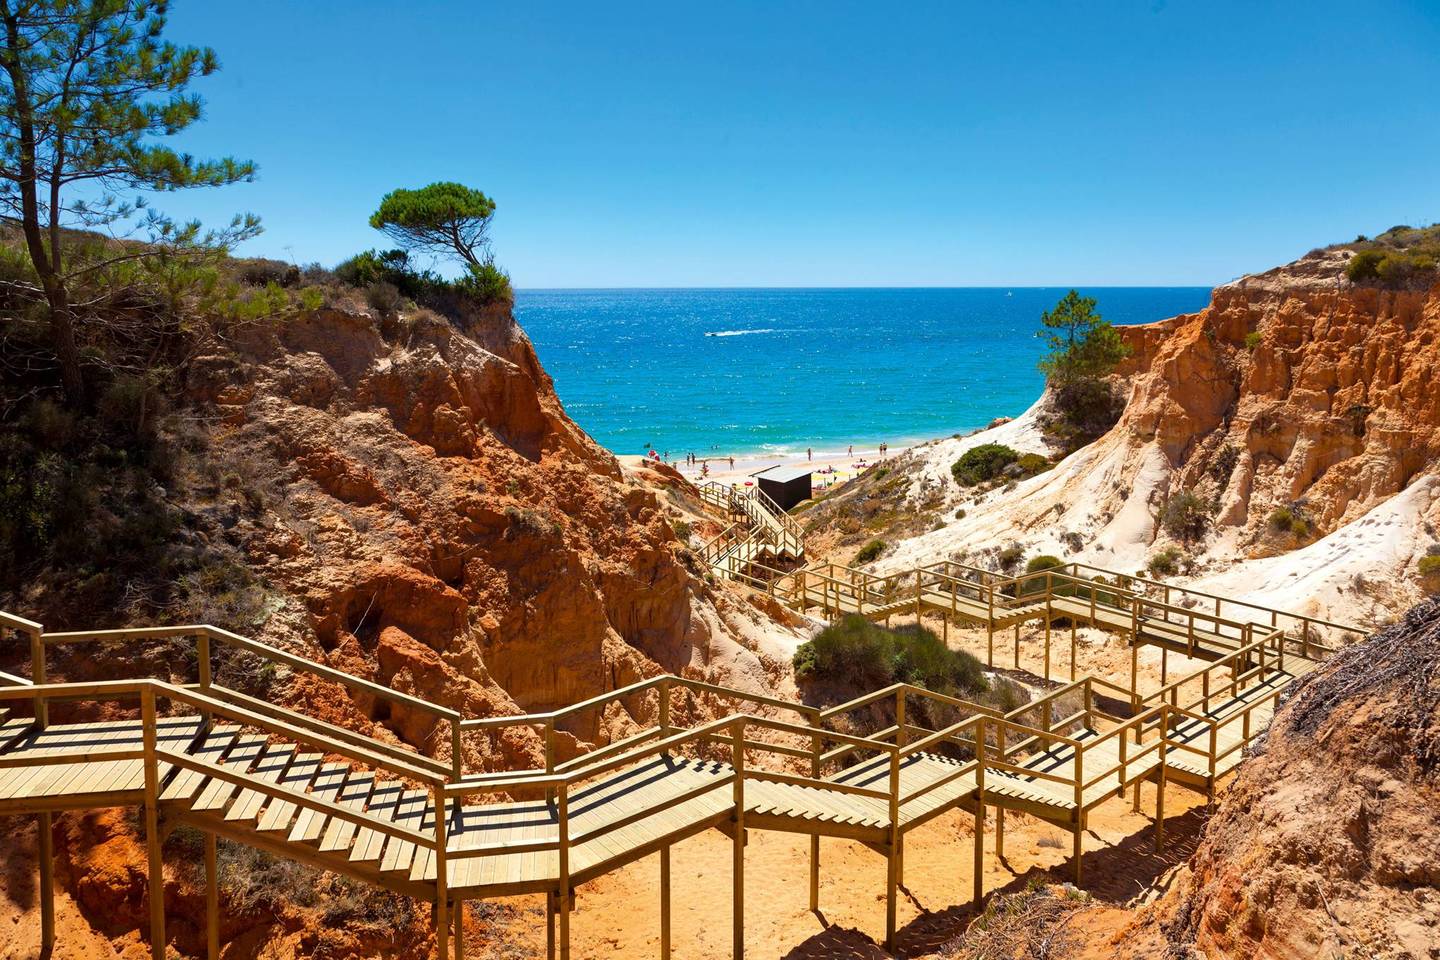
<point>1330,402</point>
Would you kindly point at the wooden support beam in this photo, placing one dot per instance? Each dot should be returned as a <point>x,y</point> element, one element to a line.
<point>155,879</point>
<point>549,926</point>
<point>979,852</point>
<point>442,895</point>
<point>1017,644</point>
<point>665,903</point>
<point>562,805</point>
<point>1079,850</point>
<point>1072,649</point>
<point>1047,641</point>
<point>1160,809</point>
<point>47,883</point>
<point>212,899</point>
<point>737,759</point>
<point>458,912</point>
<point>999,831</point>
<point>815,871</point>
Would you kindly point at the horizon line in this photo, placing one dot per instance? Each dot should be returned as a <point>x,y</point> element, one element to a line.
<point>978,286</point>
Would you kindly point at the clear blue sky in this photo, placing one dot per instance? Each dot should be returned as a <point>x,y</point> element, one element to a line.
<point>825,143</point>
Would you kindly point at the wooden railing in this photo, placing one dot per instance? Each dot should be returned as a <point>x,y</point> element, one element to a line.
<point>208,639</point>
<point>1314,633</point>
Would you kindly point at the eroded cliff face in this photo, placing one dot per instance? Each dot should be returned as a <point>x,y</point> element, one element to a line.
<point>1330,406</point>
<point>1328,842</point>
<point>438,524</point>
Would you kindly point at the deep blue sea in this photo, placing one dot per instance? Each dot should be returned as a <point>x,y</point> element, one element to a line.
<point>779,370</point>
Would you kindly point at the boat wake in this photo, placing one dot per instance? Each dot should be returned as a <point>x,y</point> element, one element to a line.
<point>737,333</point>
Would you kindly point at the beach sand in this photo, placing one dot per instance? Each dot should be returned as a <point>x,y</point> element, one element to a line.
<point>832,468</point>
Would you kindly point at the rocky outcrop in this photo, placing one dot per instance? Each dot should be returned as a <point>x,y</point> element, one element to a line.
<point>434,521</point>
<point>1316,390</point>
<point>1328,843</point>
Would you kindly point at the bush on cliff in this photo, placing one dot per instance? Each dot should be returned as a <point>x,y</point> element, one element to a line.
<point>865,655</point>
<point>1185,516</point>
<point>871,551</point>
<point>982,463</point>
<point>1400,257</point>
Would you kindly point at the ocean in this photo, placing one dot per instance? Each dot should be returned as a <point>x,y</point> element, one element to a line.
<point>740,371</point>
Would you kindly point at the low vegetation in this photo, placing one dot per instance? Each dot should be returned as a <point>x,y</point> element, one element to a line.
<point>871,551</point>
<point>1185,516</point>
<point>1009,556</point>
<point>993,461</point>
<point>1031,924</point>
<point>1429,566</point>
<point>1401,257</point>
<point>1289,520</point>
<point>1165,563</point>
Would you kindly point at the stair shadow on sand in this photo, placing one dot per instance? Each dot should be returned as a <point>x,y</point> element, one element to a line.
<point>1115,873</point>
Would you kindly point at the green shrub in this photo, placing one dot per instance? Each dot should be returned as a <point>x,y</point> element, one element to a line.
<point>870,551</point>
<point>980,464</point>
<point>1252,340</point>
<point>1010,556</point>
<point>855,652</point>
<point>1032,463</point>
<point>1083,410</point>
<point>1165,563</point>
<point>1429,566</point>
<point>1286,520</point>
<point>682,529</point>
<point>1043,562</point>
<point>1185,516</point>
<point>487,283</point>
<point>1363,266</point>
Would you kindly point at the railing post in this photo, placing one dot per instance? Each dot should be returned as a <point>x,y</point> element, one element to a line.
<point>816,745</point>
<point>664,712</point>
<point>457,749</point>
<point>900,717</point>
<point>1124,768</point>
<point>442,886</point>
<point>892,853</point>
<point>37,675</point>
<point>737,755</point>
<point>979,852</point>
<point>562,817</point>
<point>1079,850</point>
<point>155,880</point>
<point>202,654</point>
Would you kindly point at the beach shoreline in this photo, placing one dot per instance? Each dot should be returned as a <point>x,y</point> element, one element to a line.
<point>832,467</point>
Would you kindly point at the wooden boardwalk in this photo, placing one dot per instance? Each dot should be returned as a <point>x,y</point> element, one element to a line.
<point>198,753</point>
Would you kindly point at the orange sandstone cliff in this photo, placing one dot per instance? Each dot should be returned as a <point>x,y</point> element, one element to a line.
<point>402,498</point>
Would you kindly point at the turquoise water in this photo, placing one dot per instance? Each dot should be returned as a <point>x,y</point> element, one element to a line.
<point>777,370</point>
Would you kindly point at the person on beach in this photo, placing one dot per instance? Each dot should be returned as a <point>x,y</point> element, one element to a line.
<point>732,463</point>
<point>850,450</point>
<point>808,454</point>
<point>705,469</point>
